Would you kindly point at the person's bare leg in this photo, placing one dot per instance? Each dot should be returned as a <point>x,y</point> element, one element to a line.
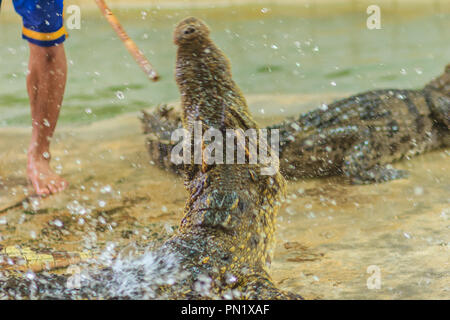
<point>46,82</point>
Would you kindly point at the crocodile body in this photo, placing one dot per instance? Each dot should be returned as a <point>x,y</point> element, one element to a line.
<point>229,222</point>
<point>357,137</point>
<point>227,231</point>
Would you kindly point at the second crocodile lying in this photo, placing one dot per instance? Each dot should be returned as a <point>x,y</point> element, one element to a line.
<point>357,137</point>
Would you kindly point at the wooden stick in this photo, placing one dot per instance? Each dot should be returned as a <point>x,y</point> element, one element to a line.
<point>129,44</point>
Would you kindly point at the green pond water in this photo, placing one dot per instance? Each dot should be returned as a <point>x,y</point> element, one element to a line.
<point>278,50</point>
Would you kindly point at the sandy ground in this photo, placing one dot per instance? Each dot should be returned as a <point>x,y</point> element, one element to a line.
<point>329,233</point>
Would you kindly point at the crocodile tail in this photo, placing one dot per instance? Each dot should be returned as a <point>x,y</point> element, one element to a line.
<point>24,259</point>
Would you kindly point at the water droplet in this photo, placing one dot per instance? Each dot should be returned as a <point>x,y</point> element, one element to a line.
<point>418,191</point>
<point>106,189</point>
<point>295,126</point>
<point>311,215</point>
<point>323,107</point>
<point>231,278</point>
<point>30,275</point>
<point>58,223</point>
<point>120,95</point>
<point>168,228</point>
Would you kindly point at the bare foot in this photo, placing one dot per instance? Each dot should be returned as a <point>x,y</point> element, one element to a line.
<point>44,180</point>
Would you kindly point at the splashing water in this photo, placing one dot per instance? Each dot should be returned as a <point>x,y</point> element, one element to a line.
<point>149,276</point>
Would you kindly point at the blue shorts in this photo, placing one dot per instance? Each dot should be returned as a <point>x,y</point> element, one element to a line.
<point>42,21</point>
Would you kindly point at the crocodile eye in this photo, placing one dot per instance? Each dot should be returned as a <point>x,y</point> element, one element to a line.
<point>189,30</point>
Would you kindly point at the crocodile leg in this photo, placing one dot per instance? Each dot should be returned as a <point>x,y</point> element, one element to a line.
<point>379,144</point>
<point>362,165</point>
<point>355,164</point>
<point>158,126</point>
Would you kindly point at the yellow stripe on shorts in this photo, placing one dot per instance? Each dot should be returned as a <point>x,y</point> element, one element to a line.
<point>40,36</point>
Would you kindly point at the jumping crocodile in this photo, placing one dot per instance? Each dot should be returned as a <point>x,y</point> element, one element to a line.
<point>357,137</point>
<point>227,231</point>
